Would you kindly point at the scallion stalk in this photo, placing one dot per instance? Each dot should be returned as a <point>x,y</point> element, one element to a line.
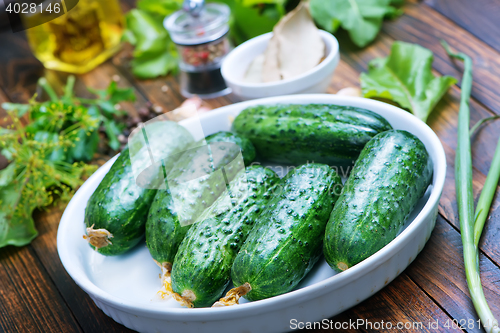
<point>487,194</point>
<point>465,199</point>
<point>42,82</point>
<point>481,122</point>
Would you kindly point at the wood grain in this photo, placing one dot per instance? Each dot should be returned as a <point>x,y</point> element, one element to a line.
<point>345,318</point>
<point>480,17</point>
<point>402,302</point>
<point>30,300</point>
<point>19,69</point>
<point>89,317</point>
<point>439,270</point>
<point>448,208</point>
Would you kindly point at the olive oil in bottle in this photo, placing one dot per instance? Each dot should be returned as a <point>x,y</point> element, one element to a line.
<point>81,39</point>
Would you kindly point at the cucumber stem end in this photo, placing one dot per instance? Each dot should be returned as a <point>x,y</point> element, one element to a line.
<point>232,297</point>
<point>98,238</point>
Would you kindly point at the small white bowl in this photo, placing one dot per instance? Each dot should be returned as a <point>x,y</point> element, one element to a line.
<point>315,80</point>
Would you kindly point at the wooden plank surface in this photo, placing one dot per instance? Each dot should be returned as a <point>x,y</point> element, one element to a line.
<point>480,17</point>
<point>404,307</point>
<point>439,270</point>
<point>432,288</point>
<point>81,304</point>
<point>29,299</point>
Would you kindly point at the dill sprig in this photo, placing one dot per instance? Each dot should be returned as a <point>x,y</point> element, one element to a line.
<point>48,154</point>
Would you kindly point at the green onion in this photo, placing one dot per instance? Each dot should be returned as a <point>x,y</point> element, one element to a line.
<point>487,194</point>
<point>68,89</point>
<point>482,121</point>
<point>42,82</point>
<point>465,199</point>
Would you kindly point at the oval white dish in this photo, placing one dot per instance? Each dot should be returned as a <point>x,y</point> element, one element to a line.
<point>125,286</point>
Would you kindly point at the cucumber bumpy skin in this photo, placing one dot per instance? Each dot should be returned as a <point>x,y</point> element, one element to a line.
<point>196,181</point>
<point>202,266</point>
<point>283,248</point>
<point>116,213</point>
<point>164,232</point>
<point>322,133</point>
<point>389,178</point>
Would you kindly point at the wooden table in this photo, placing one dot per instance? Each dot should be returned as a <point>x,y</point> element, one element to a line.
<point>36,293</point>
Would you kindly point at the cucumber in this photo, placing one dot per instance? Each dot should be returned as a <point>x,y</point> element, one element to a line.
<point>244,144</point>
<point>202,266</point>
<point>389,178</point>
<point>279,252</point>
<point>201,174</point>
<point>164,230</point>
<point>296,134</point>
<point>116,213</point>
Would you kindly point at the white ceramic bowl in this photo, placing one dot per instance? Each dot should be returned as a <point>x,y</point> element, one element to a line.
<point>124,287</point>
<point>315,80</point>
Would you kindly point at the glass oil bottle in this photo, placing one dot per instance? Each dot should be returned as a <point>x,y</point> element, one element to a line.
<point>81,39</point>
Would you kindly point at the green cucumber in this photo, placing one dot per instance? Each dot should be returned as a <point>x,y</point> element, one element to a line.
<point>242,143</point>
<point>201,174</point>
<point>296,134</point>
<point>389,178</point>
<point>202,266</point>
<point>164,230</point>
<point>279,253</point>
<point>116,213</point>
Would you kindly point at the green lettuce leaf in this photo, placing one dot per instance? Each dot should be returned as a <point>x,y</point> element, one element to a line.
<point>361,18</point>
<point>154,52</point>
<point>251,18</point>
<point>161,64</point>
<point>161,7</point>
<point>17,226</point>
<point>405,77</point>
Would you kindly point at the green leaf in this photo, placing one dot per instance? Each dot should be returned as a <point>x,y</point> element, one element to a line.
<point>160,7</point>
<point>129,37</point>
<point>155,66</point>
<point>280,4</point>
<point>116,94</point>
<point>250,3</point>
<point>5,131</point>
<point>151,37</point>
<point>323,18</point>
<point>249,22</point>
<point>16,227</point>
<point>108,98</point>
<point>56,154</point>
<point>8,174</point>
<point>112,131</point>
<point>154,52</point>
<point>361,18</point>
<point>85,147</point>
<point>406,78</point>
<point>21,109</point>
<point>8,153</point>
